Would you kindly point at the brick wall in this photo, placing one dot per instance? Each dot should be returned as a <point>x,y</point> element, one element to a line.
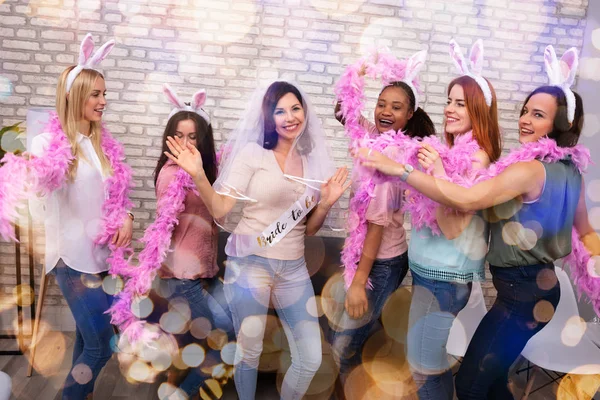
<point>226,46</point>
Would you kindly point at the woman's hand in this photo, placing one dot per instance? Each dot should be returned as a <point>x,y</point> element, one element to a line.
<point>187,157</point>
<point>335,186</point>
<point>122,238</point>
<point>356,303</point>
<point>430,158</point>
<point>374,159</point>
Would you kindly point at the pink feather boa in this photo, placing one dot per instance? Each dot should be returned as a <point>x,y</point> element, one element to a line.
<point>579,261</point>
<point>157,240</point>
<point>22,178</point>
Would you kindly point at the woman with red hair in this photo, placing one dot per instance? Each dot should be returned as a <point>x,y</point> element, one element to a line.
<point>444,265</point>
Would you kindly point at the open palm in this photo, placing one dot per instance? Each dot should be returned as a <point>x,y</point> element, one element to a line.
<point>333,189</point>
<point>186,156</point>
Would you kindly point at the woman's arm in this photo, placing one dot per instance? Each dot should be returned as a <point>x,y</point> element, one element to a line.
<point>189,159</point>
<point>521,179</point>
<point>356,303</point>
<point>331,191</point>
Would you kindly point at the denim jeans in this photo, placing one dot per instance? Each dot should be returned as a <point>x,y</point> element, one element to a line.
<point>386,276</point>
<point>91,351</point>
<point>206,299</point>
<point>506,329</point>
<point>250,283</point>
<point>434,306</point>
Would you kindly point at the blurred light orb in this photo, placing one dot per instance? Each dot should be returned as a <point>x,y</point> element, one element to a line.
<point>193,355</point>
<point>82,373</point>
<point>594,216</point>
<point>139,371</point>
<point>543,311</point>
<point>228,353</point>
<point>573,331</point>
<point>200,328</point>
<point>112,286</point>
<point>141,307</point>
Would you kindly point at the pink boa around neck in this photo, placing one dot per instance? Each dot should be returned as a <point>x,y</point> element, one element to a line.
<point>157,240</point>
<point>579,261</point>
<point>22,178</point>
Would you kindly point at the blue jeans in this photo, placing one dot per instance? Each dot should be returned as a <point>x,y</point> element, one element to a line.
<point>88,303</point>
<point>250,284</point>
<point>434,306</point>
<point>386,276</point>
<point>506,329</point>
<point>206,299</point>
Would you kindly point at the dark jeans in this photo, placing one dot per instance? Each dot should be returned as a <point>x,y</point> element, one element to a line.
<point>88,303</point>
<point>386,276</point>
<point>433,309</point>
<point>206,299</point>
<point>527,298</point>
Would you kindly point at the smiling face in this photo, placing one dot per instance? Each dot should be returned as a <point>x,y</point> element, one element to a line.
<point>537,117</point>
<point>457,120</point>
<point>392,111</point>
<point>288,117</point>
<point>96,103</point>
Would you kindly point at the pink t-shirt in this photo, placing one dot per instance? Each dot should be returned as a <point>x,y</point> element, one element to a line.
<point>193,251</point>
<point>385,210</point>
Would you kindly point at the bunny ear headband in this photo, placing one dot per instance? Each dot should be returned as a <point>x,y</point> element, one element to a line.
<point>413,67</point>
<point>86,59</point>
<point>563,79</point>
<point>476,61</point>
<point>195,106</point>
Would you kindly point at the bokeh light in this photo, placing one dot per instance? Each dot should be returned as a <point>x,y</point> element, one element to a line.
<point>394,315</point>
<point>573,331</point>
<point>193,355</point>
<point>543,311</point>
<point>23,295</point>
<point>82,373</point>
<point>112,286</point>
<point>200,328</point>
<point>141,307</point>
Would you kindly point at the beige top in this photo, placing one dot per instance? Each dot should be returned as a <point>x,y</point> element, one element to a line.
<point>256,173</point>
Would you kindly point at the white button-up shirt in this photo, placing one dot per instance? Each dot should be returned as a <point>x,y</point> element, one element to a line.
<point>72,214</point>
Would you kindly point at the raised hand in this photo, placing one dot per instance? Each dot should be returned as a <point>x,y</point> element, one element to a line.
<point>335,186</point>
<point>186,156</point>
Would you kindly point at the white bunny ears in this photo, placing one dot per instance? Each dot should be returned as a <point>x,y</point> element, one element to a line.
<point>413,67</point>
<point>476,61</point>
<point>195,106</point>
<point>563,79</point>
<point>86,59</point>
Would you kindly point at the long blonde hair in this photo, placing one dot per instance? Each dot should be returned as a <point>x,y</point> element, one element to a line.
<point>70,110</point>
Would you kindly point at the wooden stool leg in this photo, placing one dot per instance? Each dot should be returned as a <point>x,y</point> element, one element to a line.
<point>36,324</point>
<point>534,370</point>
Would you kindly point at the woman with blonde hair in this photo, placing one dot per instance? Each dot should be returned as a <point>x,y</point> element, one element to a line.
<point>76,166</point>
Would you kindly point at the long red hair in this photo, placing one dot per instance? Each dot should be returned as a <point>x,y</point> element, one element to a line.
<point>484,119</point>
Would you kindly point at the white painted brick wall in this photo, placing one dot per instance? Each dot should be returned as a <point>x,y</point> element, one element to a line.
<point>225,46</point>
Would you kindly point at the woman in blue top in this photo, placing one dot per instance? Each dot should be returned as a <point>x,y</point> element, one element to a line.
<point>444,266</point>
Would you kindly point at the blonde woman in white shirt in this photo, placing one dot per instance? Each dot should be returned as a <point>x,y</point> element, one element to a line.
<point>74,217</point>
